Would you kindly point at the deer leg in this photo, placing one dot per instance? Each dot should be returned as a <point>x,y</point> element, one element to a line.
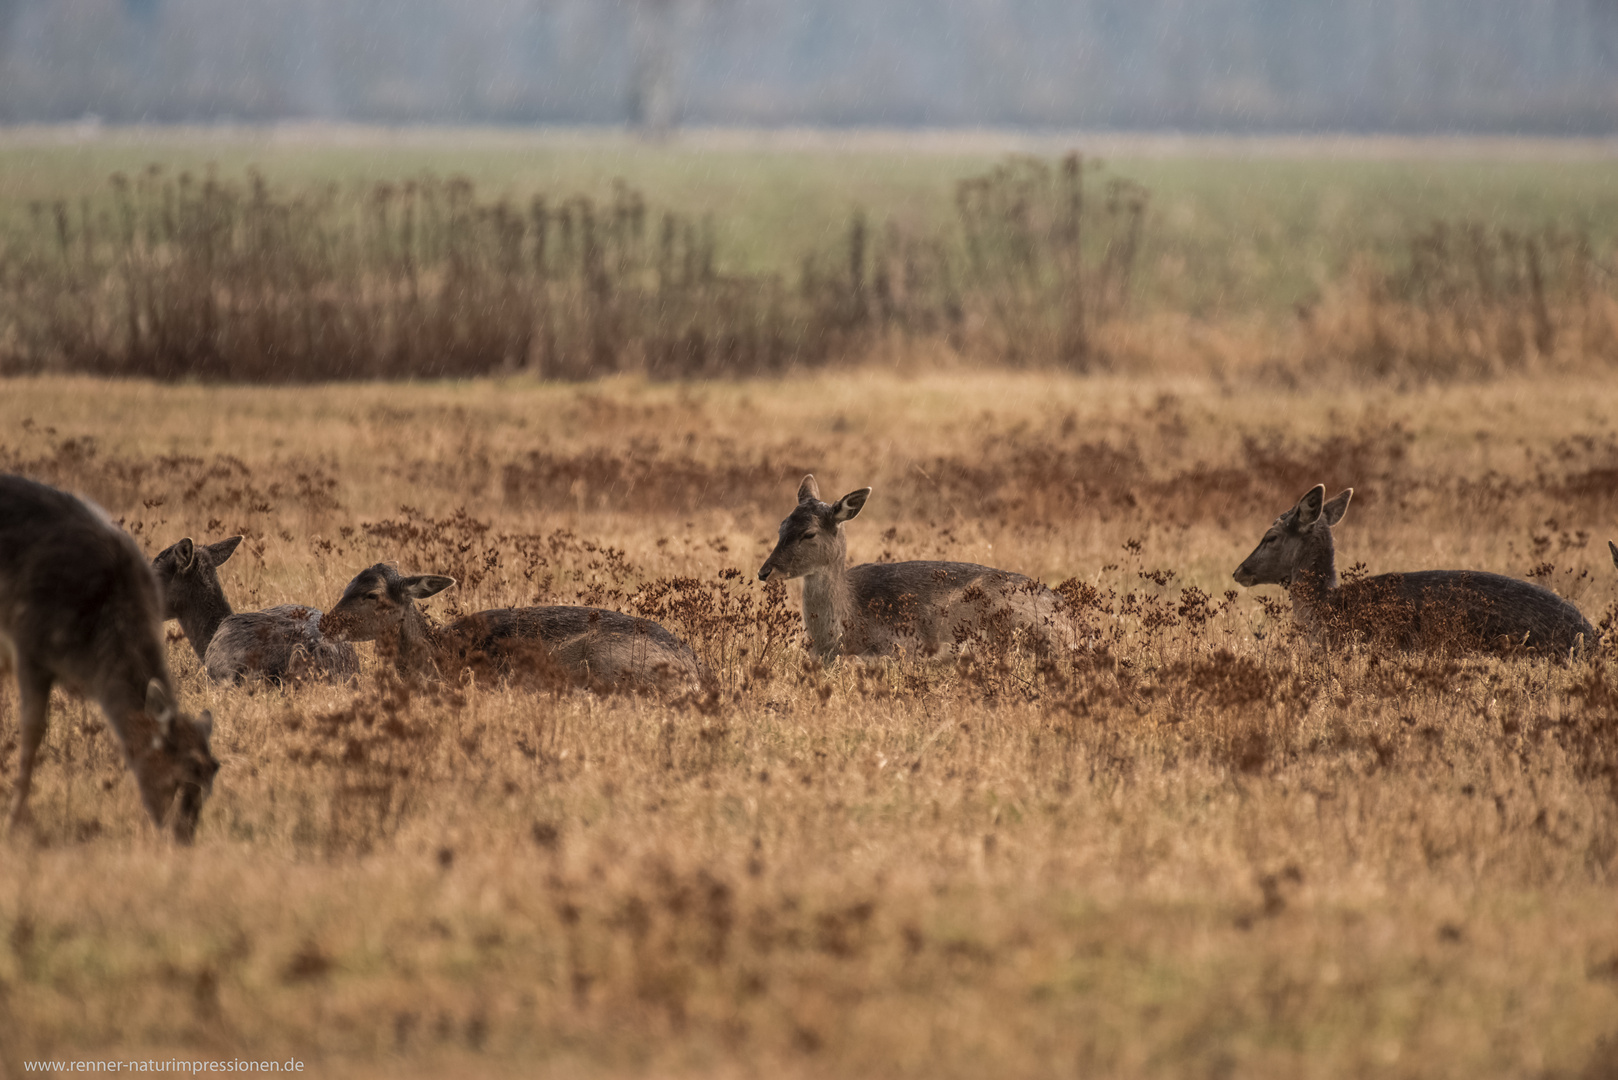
<point>33,698</point>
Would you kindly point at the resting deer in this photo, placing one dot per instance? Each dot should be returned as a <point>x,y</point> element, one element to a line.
<point>585,646</point>
<point>79,607</point>
<point>880,609</point>
<point>1469,609</point>
<point>280,643</point>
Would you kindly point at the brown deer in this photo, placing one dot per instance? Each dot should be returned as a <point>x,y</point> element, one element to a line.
<point>580,645</point>
<point>1431,609</point>
<point>881,609</point>
<point>279,644</point>
<point>79,608</point>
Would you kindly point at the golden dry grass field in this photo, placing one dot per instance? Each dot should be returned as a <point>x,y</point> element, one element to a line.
<point>1199,849</point>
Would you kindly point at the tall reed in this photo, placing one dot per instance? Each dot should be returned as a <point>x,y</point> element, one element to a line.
<point>175,277</point>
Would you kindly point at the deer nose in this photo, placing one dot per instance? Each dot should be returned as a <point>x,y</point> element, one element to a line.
<point>764,572</point>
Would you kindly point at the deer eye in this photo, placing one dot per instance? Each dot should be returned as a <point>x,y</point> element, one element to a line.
<point>810,535</point>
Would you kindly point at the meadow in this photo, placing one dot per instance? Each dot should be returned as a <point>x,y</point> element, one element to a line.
<point>1195,847</point>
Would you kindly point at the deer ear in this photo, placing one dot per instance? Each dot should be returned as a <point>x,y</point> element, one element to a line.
<point>850,505</point>
<point>1333,511</point>
<point>159,706</point>
<point>185,554</point>
<point>808,491</point>
<point>221,550</point>
<point>1308,509</point>
<point>422,586</point>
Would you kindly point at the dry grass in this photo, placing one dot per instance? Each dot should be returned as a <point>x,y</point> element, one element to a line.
<point>1200,849</point>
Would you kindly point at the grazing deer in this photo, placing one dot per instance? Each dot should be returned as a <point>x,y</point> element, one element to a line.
<point>79,607</point>
<point>880,609</point>
<point>584,646</point>
<point>280,644</point>
<point>1469,609</point>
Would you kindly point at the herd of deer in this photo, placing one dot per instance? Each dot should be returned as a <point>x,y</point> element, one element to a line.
<point>81,606</point>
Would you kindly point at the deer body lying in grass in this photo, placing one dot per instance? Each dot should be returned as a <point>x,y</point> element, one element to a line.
<point>280,644</point>
<point>79,608</point>
<point>582,646</point>
<point>1427,609</point>
<point>882,609</point>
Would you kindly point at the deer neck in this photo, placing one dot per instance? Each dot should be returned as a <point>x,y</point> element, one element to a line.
<point>202,622</point>
<point>828,609</point>
<point>121,690</point>
<point>420,640</point>
<point>1314,581</point>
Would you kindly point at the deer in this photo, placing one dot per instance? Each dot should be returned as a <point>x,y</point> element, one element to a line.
<point>80,609</point>
<point>1468,610</point>
<point>882,609</point>
<point>584,646</point>
<point>280,644</point>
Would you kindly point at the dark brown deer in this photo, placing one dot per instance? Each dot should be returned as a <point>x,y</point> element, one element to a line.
<point>79,608</point>
<point>279,644</point>
<point>1464,610</point>
<point>580,645</point>
<point>881,609</point>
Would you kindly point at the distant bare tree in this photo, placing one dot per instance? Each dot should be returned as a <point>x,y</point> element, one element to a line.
<point>659,32</point>
<point>654,28</point>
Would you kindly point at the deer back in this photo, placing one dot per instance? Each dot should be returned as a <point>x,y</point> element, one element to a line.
<point>939,605</point>
<point>281,644</point>
<point>586,645</point>
<point>1464,609</point>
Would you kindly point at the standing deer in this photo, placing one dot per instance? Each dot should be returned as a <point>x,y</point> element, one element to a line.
<point>79,607</point>
<point>880,609</point>
<point>1467,609</point>
<point>581,645</point>
<point>280,644</point>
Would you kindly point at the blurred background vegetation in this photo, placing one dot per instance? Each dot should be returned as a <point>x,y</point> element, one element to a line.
<point>338,253</point>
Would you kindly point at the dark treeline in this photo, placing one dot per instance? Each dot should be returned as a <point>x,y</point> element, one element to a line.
<point>1388,65</point>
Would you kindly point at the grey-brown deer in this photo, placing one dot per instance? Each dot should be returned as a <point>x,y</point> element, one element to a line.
<point>79,608</point>
<point>883,609</point>
<point>279,644</point>
<point>583,646</point>
<point>1461,610</point>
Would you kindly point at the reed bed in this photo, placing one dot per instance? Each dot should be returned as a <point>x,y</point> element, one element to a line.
<point>1035,263</point>
<point>1474,301</point>
<point>175,277</point>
